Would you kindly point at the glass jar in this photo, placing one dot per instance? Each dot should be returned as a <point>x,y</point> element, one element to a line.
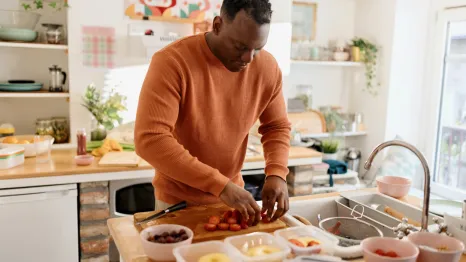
<point>44,127</point>
<point>7,130</point>
<point>61,130</point>
<point>304,93</point>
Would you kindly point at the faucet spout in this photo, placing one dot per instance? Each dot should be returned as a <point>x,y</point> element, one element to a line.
<point>425,166</point>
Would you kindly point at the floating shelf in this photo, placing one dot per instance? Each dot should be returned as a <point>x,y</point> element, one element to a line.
<point>33,45</point>
<point>325,135</point>
<point>326,63</point>
<point>39,94</point>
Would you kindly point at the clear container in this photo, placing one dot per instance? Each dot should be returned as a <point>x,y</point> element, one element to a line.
<point>43,148</point>
<point>7,130</point>
<point>18,19</point>
<point>327,241</point>
<point>194,252</point>
<point>44,127</point>
<point>244,243</point>
<point>61,130</point>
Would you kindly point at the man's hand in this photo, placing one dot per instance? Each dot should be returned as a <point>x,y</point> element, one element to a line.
<point>241,200</point>
<point>275,191</point>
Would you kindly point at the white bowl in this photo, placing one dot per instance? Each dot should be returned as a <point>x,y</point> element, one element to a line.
<point>341,56</point>
<point>163,252</point>
<point>30,149</point>
<point>432,240</point>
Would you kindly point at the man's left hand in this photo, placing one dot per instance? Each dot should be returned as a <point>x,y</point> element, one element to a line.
<point>275,191</point>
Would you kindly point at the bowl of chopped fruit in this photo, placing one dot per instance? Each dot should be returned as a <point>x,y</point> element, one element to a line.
<point>437,248</point>
<point>159,241</point>
<point>385,249</point>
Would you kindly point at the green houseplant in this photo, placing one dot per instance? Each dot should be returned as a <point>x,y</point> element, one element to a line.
<point>105,107</point>
<point>330,149</point>
<point>39,4</point>
<point>369,53</point>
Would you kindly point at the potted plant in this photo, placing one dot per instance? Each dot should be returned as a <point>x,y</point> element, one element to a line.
<point>104,107</point>
<point>330,149</point>
<point>366,52</point>
<point>39,4</point>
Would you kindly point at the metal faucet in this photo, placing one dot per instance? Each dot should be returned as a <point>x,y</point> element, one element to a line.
<point>425,166</point>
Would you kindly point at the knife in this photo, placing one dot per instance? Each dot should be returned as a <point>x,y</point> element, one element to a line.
<point>179,206</point>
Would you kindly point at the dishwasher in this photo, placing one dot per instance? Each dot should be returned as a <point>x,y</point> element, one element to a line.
<point>39,224</point>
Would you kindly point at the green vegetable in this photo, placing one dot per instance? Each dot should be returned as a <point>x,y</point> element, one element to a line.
<point>91,145</point>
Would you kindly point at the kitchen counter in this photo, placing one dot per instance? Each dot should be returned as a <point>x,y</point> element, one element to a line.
<point>127,239</point>
<point>62,169</point>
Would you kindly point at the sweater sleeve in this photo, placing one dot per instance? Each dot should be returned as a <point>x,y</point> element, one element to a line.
<point>157,113</point>
<point>275,130</point>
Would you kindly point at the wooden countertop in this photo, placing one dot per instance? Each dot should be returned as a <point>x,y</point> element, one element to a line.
<point>63,164</point>
<point>127,239</point>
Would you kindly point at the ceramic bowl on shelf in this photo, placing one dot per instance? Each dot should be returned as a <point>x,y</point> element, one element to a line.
<point>393,186</point>
<point>163,251</point>
<point>435,247</point>
<point>384,249</point>
<point>18,34</point>
<point>340,56</point>
<point>18,19</point>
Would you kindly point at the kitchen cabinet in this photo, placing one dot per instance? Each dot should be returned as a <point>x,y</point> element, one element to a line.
<point>39,224</point>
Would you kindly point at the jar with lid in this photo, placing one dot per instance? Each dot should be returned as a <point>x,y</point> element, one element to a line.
<point>44,127</point>
<point>7,130</point>
<point>81,138</point>
<point>61,130</point>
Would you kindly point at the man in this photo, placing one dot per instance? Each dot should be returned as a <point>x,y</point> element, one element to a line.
<point>200,97</point>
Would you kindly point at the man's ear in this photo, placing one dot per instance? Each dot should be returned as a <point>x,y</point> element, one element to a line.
<point>217,25</point>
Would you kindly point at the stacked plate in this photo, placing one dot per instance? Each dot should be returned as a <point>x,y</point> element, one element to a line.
<point>20,86</point>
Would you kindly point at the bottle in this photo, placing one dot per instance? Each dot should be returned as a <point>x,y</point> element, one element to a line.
<point>81,135</point>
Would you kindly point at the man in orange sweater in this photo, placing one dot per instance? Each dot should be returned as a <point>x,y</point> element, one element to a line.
<point>200,97</point>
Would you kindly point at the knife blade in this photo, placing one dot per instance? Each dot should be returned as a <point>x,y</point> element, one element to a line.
<point>176,207</point>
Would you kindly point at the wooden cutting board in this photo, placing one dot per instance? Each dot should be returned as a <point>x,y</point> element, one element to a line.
<point>195,217</point>
<point>125,158</point>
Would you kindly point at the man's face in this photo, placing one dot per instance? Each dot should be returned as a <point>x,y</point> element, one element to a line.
<point>240,40</point>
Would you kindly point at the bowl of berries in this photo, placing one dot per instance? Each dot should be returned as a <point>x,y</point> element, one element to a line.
<point>385,249</point>
<point>159,241</point>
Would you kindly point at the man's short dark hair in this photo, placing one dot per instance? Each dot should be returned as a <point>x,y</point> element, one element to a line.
<point>259,10</point>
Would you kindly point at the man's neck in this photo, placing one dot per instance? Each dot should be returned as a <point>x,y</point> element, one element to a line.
<point>212,44</point>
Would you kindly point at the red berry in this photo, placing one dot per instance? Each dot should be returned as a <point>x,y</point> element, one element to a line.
<point>244,224</point>
<point>214,220</point>
<point>227,215</point>
<point>236,215</point>
<point>232,221</point>
<point>296,242</point>
<point>210,227</point>
<point>235,227</point>
<point>265,220</point>
<point>223,226</point>
<point>391,254</point>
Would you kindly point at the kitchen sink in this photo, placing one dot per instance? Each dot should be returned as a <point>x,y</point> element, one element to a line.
<point>342,206</point>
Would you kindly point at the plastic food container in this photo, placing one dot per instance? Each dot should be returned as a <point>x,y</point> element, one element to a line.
<point>28,143</point>
<point>327,241</point>
<point>194,252</point>
<point>261,243</point>
<point>11,157</point>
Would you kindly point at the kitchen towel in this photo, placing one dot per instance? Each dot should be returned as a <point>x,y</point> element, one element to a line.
<point>98,46</point>
<point>335,167</point>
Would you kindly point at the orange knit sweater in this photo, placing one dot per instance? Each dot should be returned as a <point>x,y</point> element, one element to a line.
<point>194,117</point>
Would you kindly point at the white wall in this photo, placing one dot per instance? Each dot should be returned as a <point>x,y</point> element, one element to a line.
<point>374,20</point>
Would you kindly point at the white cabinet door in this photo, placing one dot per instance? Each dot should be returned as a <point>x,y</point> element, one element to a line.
<point>40,226</point>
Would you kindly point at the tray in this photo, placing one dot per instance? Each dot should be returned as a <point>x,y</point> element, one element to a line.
<point>368,198</point>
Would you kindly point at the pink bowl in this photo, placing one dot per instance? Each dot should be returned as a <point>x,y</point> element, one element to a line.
<point>84,160</point>
<point>163,252</point>
<point>393,186</point>
<point>407,251</point>
<point>434,241</point>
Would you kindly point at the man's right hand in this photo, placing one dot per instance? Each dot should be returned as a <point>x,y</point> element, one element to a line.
<point>241,200</point>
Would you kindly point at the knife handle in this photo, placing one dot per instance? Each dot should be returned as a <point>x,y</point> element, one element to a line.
<point>179,206</point>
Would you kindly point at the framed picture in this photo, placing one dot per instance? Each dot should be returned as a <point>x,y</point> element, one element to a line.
<point>303,18</point>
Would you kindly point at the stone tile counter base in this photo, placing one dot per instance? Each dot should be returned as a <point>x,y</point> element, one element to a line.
<point>94,211</point>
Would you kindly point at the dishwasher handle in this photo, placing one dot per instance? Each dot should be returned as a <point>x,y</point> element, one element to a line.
<point>12,199</point>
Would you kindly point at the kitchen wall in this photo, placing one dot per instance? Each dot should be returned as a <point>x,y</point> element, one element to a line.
<point>331,85</point>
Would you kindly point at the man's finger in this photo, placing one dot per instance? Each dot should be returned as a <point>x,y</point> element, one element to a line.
<point>252,214</point>
<point>264,204</point>
<point>280,207</point>
<point>244,212</point>
<point>257,211</point>
<point>270,205</point>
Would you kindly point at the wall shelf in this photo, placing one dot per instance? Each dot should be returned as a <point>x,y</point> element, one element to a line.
<point>326,63</point>
<point>325,135</point>
<point>39,94</point>
<point>33,45</point>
